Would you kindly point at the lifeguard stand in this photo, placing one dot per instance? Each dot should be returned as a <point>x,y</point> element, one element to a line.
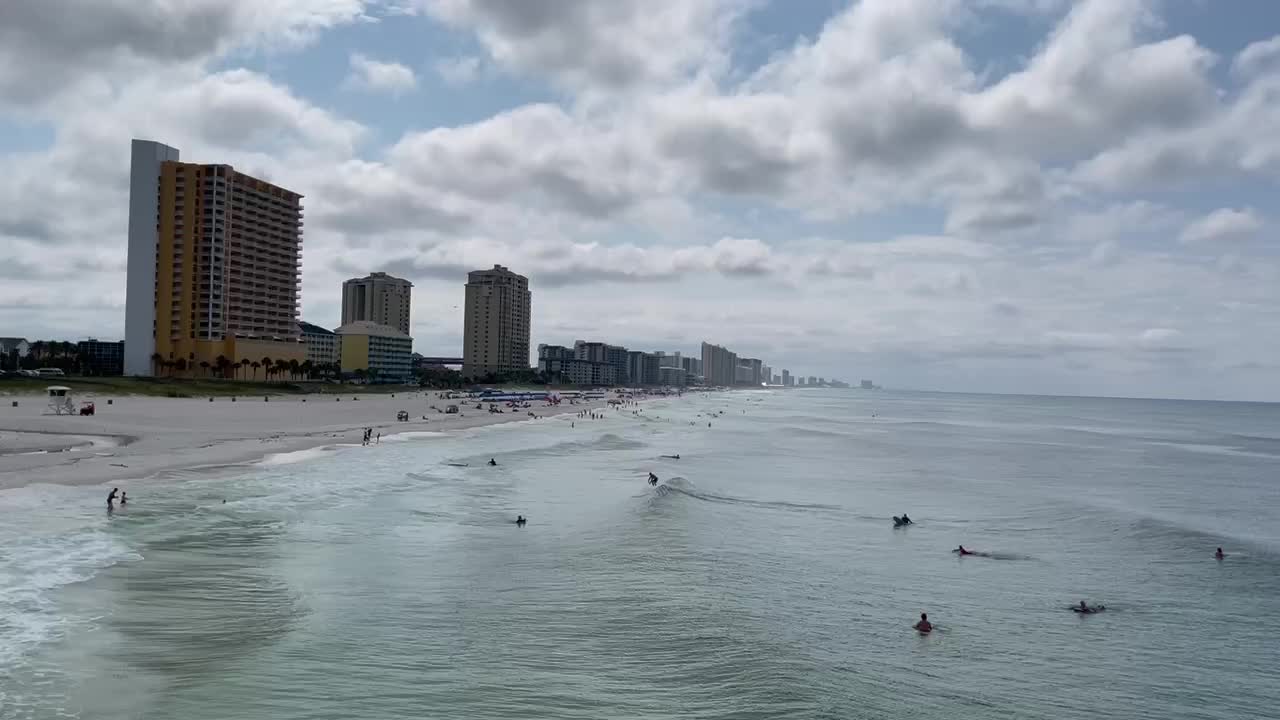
<point>60,400</point>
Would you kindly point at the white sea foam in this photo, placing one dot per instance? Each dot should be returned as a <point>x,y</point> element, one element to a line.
<point>295,456</point>
<point>412,435</point>
<point>29,580</point>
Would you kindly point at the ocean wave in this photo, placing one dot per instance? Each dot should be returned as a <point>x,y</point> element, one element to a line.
<point>682,486</point>
<point>29,578</point>
<point>295,456</point>
<point>413,435</point>
<point>1215,449</point>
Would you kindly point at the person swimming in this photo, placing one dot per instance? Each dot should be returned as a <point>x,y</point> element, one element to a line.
<point>962,551</point>
<point>520,520</point>
<point>924,625</point>
<point>492,461</point>
<point>672,457</point>
<point>1219,554</point>
<point>906,520</point>
<point>1084,608</point>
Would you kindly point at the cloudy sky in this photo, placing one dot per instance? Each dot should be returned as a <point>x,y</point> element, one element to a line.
<point>997,195</point>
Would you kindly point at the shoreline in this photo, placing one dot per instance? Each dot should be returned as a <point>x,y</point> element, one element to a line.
<point>138,438</point>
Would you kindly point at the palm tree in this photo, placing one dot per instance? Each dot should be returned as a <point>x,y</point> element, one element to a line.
<point>307,367</point>
<point>180,364</point>
<point>255,365</point>
<point>266,363</point>
<point>157,362</point>
<point>244,365</point>
<point>282,366</point>
<point>294,365</point>
<point>204,365</point>
<point>221,363</point>
<point>359,373</point>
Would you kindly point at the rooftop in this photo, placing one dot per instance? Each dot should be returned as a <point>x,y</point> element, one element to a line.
<point>309,329</point>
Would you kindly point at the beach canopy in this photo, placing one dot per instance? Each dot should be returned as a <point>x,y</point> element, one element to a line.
<point>58,389</point>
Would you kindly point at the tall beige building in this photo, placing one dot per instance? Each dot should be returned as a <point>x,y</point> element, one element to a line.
<point>378,298</point>
<point>214,267</point>
<point>495,333</point>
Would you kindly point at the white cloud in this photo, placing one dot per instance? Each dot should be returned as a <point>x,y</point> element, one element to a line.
<point>754,203</point>
<point>378,76</point>
<point>459,71</point>
<point>1222,225</point>
<point>1257,57</point>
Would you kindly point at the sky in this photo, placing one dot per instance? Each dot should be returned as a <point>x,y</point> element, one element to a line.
<point>1037,196</point>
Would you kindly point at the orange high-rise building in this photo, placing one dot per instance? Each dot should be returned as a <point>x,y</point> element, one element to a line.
<point>223,260</point>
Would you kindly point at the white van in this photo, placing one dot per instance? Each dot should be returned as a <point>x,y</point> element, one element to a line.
<point>50,372</point>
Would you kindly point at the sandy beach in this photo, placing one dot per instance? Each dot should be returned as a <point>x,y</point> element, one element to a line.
<point>137,437</point>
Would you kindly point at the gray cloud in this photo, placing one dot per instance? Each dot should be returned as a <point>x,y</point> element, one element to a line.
<point>615,45</point>
<point>46,48</point>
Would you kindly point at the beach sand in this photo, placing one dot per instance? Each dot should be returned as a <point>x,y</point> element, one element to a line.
<point>137,437</point>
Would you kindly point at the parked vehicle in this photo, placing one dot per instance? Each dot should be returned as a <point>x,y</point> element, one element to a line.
<point>50,372</point>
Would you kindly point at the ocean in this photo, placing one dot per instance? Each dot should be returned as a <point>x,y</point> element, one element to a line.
<point>761,578</point>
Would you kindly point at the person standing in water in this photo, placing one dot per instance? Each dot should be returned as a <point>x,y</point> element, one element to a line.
<point>111,497</point>
<point>124,498</point>
<point>1219,554</point>
<point>924,625</point>
<point>492,462</point>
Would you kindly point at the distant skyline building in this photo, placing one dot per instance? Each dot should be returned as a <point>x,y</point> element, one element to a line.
<point>382,352</point>
<point>692,367</point>
<point>753,375</point>
<point>719,366</point>
<point>100,358</point>
<point>322,343</point>
<point>673,376</point>
<point>615,355</point>
<point>213,268</point>
<point>378,298</point>
<point>786,378</point>
<point>561,364</point>
<point>495,334</point>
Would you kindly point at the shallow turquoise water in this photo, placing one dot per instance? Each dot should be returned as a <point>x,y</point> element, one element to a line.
<point>762,579</point>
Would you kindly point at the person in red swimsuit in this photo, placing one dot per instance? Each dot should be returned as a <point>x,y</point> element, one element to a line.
<point>924,625</point>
